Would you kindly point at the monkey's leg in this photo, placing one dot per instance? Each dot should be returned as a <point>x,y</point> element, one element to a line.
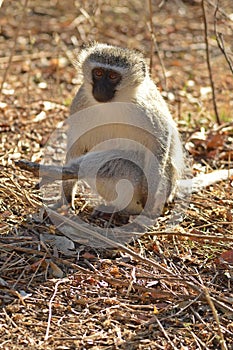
<point>68,193</point>
<point>109,213</point>
<point>115,175</point>
<point>68,188</point>
<point>118,176</point>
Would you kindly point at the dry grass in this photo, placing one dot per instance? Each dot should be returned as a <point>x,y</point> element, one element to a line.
<point>167,290</point>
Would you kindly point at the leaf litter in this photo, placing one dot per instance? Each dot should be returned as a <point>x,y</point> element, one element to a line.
<point>166,290</point>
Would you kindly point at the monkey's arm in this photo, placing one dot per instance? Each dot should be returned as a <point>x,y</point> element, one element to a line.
<point>107,164</point>
<point>81,167</point>
<point>50,172</point>
<point>53,172</point>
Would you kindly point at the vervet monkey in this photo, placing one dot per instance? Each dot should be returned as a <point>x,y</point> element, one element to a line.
<point>121,136</point>
<point>113,75</point>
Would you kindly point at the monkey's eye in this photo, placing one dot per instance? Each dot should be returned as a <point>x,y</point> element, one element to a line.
<point>114,76</point>
<point>98,73</point>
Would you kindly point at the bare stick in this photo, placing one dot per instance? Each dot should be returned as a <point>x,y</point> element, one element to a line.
<point>154,43</point>
<point>198,236</point>
<point>216,317</point>
<point>51,304</point>
<point>220,10</point>
<point>151,31</point>
<point>220,41</point>
<point>165,333</point>
<point>209,64</point>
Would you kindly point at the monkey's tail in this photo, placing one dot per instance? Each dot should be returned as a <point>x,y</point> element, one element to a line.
<point>204,180</point>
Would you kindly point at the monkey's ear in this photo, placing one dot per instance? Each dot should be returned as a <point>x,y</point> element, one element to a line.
<point>80,55</point>
<point>84,51</point>
<point>89,44</point>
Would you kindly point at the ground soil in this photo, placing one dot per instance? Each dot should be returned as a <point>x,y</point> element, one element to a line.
<point>173,288</point>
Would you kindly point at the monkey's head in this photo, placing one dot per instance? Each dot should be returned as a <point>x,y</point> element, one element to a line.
<point>110,72</point>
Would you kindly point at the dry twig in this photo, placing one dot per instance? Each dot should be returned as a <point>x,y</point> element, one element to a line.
<point>216,317</point>
<point>198,236</point>
<point>220,41</point>
<point>209,64</point>
<point>155,43</point>
<point>51,305</point>
<point>165,333</point>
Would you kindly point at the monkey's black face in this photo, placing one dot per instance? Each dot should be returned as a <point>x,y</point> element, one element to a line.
<point>105,82</point>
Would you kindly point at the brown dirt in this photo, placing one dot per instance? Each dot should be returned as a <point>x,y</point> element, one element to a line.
<point>110,299</point>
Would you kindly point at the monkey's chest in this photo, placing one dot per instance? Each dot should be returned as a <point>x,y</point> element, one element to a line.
<point>113,137</point>
<point>112,126</point>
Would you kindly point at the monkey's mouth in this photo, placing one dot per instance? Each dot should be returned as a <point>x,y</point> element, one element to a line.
<point>103,95</point>
<point>103,100</point>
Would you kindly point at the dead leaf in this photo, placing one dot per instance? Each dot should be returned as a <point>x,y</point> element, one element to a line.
<point>55,270</point>
<point>227,256</point>
<point>226,155</point>
<point>205,91</point>
<point>114,271</point>
<point>39,117</point>
<point>214,141</point>
<point>88,256</point>
<point>213,153</point>
<point>63,244</point>
<point>41,262</point>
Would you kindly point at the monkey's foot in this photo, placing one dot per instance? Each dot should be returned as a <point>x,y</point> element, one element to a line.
<point>62,207</point>
<point>109,213</point>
